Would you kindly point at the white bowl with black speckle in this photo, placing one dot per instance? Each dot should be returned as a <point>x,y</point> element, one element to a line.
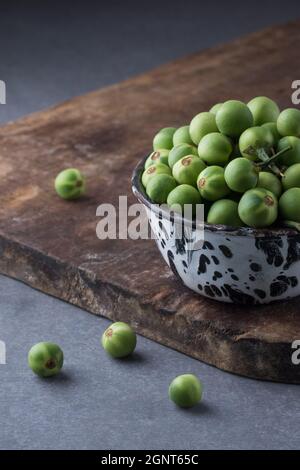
<point>238,265</point>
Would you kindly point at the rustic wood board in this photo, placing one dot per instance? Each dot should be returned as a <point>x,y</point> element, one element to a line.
<point>51,244</point>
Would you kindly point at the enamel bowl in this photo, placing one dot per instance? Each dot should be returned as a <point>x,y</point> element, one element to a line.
<point>238,265</point>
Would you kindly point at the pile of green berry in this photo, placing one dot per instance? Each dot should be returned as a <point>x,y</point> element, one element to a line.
<point>46,359</point>
<point>242,161</point>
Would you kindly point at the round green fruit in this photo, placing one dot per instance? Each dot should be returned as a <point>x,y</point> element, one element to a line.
<point>255,137</point>
<point>202,124</point>
<point>69,184</point>
<point>288,122</point>
<point>269,181</point>
<point>158,156</point>
<point>241,175</point>
<point>224,212</point>
<point>291,177</point>
<point>211,183</point>
<point>153,170</point>
<point>119,340</point>
<point>164,138</point>
<point>272,127</point>
<point>45,359</point>
<point>215,149</point>
<point>159,187</point>
<point>263,110</point>
<point>186,170</point>
<point>180,151</point>
<point>215,108</point>
<point>233,118</point>
<point>182,136</point>
<point>258,208</point>
<point>291,156</point>
<point>182,195</point>
<point>186,390</point>
<point>289,205</point>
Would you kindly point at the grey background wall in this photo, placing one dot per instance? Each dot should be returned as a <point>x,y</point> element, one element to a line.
<point>51,51</point>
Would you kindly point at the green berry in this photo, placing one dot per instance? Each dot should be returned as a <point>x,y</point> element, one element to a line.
<point>289,205</point>
<point>263,110</point>
<point>269,181</point>
<point>180,151</point>
<point>182,136</point>
<point>164,138</point>
<point>258,208</point>
<point>186,390</point>
<point>215,108</point>
<point>241,175</point>
<point>211,183</point>
<point>288,122</point>
<point>159,187</point>
<point>291,156</point>
<point>186,170</point>
<point>119,340</point>
<point>69,184</point>
<point>215,149</point>
<point>272,127</point>
<point>255,137</point>
<point>291,177</point>
<point>202,124</point>
<point>224,212</point>
<point>233,118</point>
<point>158,156</point>
<point>153,170</point>
<point>45,359</point>
<point>181,195</point>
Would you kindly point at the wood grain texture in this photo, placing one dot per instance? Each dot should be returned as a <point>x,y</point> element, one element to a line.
<point>51,244</point>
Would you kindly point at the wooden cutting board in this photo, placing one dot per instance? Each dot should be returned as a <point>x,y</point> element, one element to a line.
<point>51,244</point>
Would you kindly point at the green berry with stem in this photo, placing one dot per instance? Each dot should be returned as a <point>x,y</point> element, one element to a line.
<point>70,184</point>
<point>292,156</point>
<point>45,359</point>
<point>119,340</point>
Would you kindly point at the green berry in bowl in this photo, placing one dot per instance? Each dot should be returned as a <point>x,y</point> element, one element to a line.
<point>258,208</point>
<point>180,151</point>
<point>45,359</point>
<point>153,170</point>
<point>182,136</point>
<point>255,137</point>
<point>288,122</point>
<point>159,187</point>
<point>181,195</point>
<point>164,138</point>
<point>202,124</point>
<point>289,205</point>
<point>186,390</point>
<point>263,110</point>
<point>292,156</point>
<point>186,170</point>
<point>224,212</point>
<point>269,181</point>
<point>119,340</point>
<point>158,156</point>
<point>215,108</point>
<point>272,127</point>
<point>241,175</point>
<point>215,149</point>
<point>233,118</point>
<point>211,183</point>
<point>291,177</point>
<point>70,184</point>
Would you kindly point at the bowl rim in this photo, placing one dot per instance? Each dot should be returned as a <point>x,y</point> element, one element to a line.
<point>140,194</point>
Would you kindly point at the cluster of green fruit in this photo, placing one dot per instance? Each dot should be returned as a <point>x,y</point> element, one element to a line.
<point>242,161</point>
<point>119,340</point>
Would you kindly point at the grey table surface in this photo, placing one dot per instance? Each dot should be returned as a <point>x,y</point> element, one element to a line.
<point>51,52</point>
